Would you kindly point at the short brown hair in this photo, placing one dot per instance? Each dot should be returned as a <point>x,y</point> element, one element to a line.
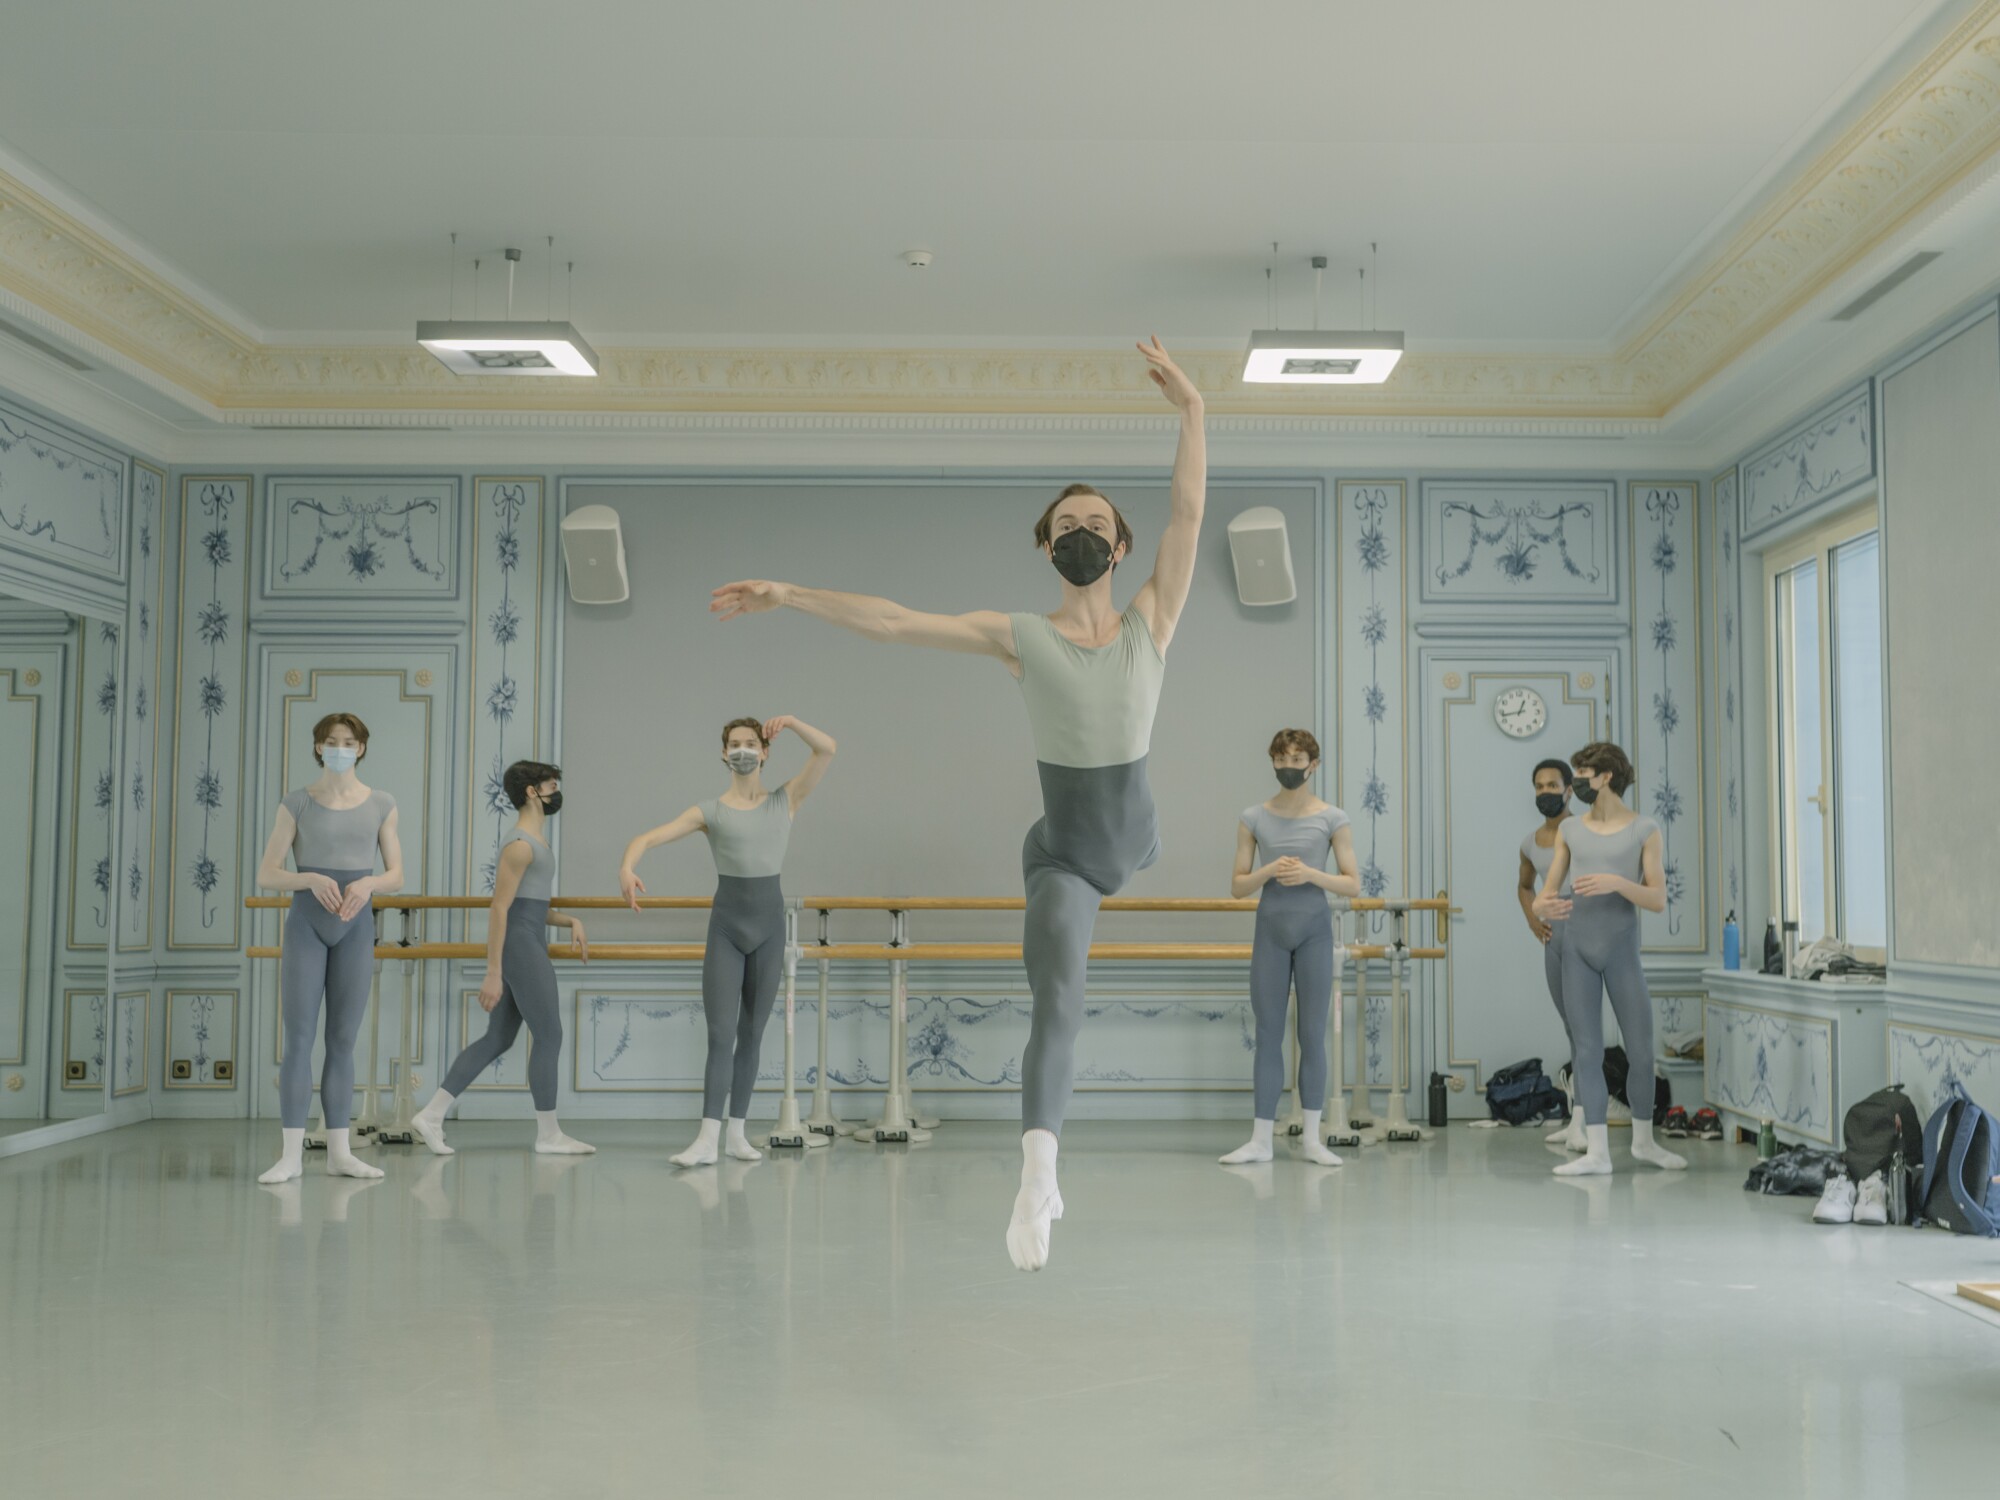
<point>755,726</point>
<point>1602,755</point>
<point>332,722</point>
<point>1045,528</point>
<point>1287,740</point>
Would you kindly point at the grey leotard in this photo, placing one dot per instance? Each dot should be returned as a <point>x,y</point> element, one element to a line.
<point>1600,953</point>
<point>745,957</point>
<point>1552,964</point>
<point>324,956</point>
<point>527,986</point>
<point>1293,948</point>
<point>1090,711</point>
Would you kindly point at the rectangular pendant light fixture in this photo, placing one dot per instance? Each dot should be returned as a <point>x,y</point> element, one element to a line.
<point>508,348</point>
<point>1300,357</point>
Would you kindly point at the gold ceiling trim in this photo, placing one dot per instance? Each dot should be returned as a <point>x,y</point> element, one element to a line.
<point>1922,139</point>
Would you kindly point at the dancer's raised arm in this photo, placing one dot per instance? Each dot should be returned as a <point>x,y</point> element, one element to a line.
<point>1165,594</point>
<point>983,632</point>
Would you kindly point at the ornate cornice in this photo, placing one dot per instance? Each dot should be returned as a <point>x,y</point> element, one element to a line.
<point>1922,140</point>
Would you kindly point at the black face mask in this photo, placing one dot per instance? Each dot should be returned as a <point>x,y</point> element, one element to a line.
<point>1549,804</point>
<point>1081,556</point>
<point>1585,792</point>
<point>552,804</point>
<point>1291,778</point>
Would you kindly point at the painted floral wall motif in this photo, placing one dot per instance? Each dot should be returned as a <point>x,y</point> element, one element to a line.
<point>361,539</point>
<point>1729,701</point>
<point>507,712</point>
<point>1514,542</point>
<point>1371,714</point>
<point>145,639</point>
<point>86,1039</point>
<point>95,796</point>
<point>1667,686</point>
<point>1825,457</point>
<point>206,894</point>
<point>1767,1066</point>
<point>201,1039</point>
<point>62,496</point>
<point>131,1014</point>
<point>1927,1060</point>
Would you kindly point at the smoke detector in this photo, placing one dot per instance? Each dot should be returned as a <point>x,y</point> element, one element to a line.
<point>916,260</point>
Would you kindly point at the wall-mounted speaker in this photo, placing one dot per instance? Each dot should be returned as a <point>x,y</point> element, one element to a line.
<point>594,552</point>
<point>1263,557</point>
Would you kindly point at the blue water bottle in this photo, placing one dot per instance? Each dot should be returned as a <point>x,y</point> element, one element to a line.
<point>1732,943</point>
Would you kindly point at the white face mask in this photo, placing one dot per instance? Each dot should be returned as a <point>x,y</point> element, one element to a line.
<point>744,761</point>
<point>339,758</point>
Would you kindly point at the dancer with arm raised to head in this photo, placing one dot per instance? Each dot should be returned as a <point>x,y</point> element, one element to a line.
<point>1090,676</point>
<point>749,829</point>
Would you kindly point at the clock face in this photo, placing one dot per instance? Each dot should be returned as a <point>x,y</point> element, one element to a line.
<point>1520,712</point>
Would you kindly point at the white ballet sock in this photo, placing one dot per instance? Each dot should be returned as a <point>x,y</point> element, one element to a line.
<point>737,1142</point>
<point>1645,1148</point>
<point>550,1140</point>
<point>1257,1148</point>
<point>1312,1146</point>
<point>702,1153</point>
<point>1596,1158</point>
<point>1037,1204</point>
<point>428,1122</point>
<point>291,1158</point>
<point>341,1160</point>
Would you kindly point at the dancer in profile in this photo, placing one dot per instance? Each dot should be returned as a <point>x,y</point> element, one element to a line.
<point>1090,677</point>
<point>333,829</point>
<point>520,982</point>
<point>749,829</point>
<point>1551,782</point>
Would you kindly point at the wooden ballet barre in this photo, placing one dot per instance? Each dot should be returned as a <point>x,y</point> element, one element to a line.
<point>480,903</point>
<point>875,952</point>
<point>1110,903</point>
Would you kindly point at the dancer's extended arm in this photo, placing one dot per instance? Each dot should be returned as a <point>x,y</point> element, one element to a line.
<point>630,886</point>
<point>1165,594</point>
<point>983,632</point>
<point>1551,905</point>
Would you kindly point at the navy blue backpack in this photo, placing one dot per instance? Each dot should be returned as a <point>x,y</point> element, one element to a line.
<point>1961,1159</point>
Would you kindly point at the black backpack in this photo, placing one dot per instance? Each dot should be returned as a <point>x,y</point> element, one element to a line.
<point>1521,1094</point>
<point>1618,1077</point>
<point>1870,1131</point>
<point>1960,1186</point>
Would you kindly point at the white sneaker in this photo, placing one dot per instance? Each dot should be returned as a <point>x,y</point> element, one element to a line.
<point>1617,1112</point>
<point>1836,1204</point>
<point>1871,1205</point>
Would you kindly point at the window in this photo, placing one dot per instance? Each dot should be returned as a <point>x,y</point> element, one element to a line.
<point>1824,594</point>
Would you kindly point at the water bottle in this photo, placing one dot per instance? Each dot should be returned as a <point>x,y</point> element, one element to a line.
<point>1774,953</point>
<point>1767,1141</point>
<point>1791,969</point>
<point>1899,1181</point>
<point>1732,943</point>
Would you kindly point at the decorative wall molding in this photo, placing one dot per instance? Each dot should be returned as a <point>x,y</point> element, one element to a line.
<point>94,789</point>
<point>361,541</point>
<point>1518,542</point>
<point>1762,1064</point>
<point>1925,1058</point>
<point>1824,458</point>
<point>86,1030</point>
<point>1924,136</point>
<point>62,496</point>
<point>132,1032</point>
<point>1667,704</point>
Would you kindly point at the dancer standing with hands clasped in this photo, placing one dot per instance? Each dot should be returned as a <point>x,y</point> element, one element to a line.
<point>1611,859</point>
<point>1090,677</point>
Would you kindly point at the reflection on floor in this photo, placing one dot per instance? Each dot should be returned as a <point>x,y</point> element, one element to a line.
<point>1435,1319</point>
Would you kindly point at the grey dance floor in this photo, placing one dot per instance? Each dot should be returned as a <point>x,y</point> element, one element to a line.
<point>1437,1319</point>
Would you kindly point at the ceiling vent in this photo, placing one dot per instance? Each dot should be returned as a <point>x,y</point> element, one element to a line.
<point>1886,285</point>
<point>41,346</point>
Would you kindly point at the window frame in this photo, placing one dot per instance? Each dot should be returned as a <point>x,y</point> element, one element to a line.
<point>1818,546</point>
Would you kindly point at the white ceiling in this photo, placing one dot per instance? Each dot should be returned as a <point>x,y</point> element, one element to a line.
<point>749,172</point>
